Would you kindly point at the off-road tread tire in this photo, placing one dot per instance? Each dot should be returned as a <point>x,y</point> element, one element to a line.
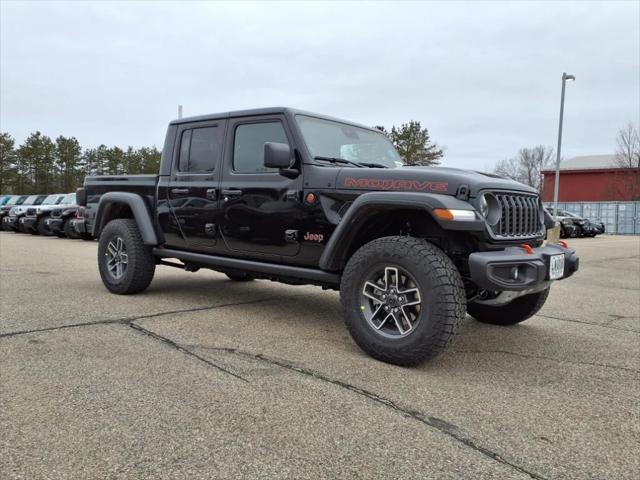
<point>240,276</point>
<point>519,310</point>
<point>444,300</point>
<point>43,229</point>
<point>141,262</point>
<point>69,231</point>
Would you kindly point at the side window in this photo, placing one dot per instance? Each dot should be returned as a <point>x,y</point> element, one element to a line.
<point>200,149</point>
<point>248,147</point>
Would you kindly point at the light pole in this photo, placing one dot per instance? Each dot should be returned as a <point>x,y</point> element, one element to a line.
<point>565,77</point>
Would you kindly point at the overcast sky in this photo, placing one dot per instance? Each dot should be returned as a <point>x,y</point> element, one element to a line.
<point>484,77</point>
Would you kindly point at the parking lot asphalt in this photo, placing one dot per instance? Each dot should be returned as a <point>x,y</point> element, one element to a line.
<point>201,377</point>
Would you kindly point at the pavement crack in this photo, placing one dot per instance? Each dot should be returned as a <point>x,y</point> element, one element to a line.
<point>181,349</point>
<point>543,357</point>
<point>127,320</point>
<point>572,320</point>
<point>437,423</point>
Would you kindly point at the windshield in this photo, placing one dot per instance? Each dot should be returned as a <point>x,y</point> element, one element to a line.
<point>326,138</point>
<point>69,199</point>
<point>50,200</point>
<point>30,200</point>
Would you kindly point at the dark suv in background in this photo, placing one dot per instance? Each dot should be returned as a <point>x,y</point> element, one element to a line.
<point>573,225</point>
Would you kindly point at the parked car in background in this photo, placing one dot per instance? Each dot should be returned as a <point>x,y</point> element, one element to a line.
<point>34,221</point>
<point>60,221</point>
<point>12,220</point>
<point>573,225</point>
<point>11,202</point>
<point>82,223</point>
<point>28,223</point>
<point>4,199</point>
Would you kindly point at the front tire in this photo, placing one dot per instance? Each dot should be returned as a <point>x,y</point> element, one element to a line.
<point>43,229</point>
<point>512,313</point>
<point>69,231</point>
<point>403,299</point>
<point>126,264</point>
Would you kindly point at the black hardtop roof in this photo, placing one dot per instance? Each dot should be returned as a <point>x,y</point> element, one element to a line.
<point>265,111</point>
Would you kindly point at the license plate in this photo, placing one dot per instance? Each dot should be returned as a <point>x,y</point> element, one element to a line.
<point>556,266</point>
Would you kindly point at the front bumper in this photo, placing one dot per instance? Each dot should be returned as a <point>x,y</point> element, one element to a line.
<point>80,225</point>
<point>10,223</point>
<point>54,224</point>
<point>493,270</point>
<point>28,223</point>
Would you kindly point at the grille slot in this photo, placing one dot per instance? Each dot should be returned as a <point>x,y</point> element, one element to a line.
<point>31,212</point>
<point>56,212</point>
<point>520,216</point>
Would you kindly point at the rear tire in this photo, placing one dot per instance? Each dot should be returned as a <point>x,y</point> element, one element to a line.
<point>126,264</point>
<point>512,313</point>
<point>403,299</point>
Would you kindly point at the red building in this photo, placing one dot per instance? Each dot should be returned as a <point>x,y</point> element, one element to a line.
<point>593,178</point>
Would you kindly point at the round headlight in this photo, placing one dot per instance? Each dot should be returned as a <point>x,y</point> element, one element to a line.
<point>490,208</point>
<point>484,206</point>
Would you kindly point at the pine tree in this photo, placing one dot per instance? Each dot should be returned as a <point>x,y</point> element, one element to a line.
<point>7,163</point>
<point>35,164</point>
<point>68,163</point>
<point>414,144</point>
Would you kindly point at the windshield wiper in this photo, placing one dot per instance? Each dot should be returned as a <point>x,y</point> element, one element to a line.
<point>372,165</point>
<point>338,160</point>
<point>344,161</point>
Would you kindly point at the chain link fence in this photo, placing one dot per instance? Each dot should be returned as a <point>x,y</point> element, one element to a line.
<point>621,218</point>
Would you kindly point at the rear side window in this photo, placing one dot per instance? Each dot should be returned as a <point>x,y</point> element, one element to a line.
<point>248,148</point>
<point>200,149</point>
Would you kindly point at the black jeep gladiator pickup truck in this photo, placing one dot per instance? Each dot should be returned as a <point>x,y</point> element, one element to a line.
<point>304,198</point>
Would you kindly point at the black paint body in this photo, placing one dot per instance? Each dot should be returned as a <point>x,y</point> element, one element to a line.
<point>272,218</point>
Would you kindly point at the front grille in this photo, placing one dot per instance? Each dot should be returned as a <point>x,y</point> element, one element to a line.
<point>520,216</point>
<point>57,212</point>
<point>31,212</point>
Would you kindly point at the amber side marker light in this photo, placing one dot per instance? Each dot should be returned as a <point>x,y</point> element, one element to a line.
<point>447,214</point>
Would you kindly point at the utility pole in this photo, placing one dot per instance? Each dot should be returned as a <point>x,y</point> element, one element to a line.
<point>179,111</point>
<point>556,186</point>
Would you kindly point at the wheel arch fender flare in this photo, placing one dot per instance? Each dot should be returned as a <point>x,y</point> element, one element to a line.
<point>138,207</point>
<point>369,204</point>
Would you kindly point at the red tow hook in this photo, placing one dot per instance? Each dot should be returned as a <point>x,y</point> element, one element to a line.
<point>563,243</point>
<point>527,248</point>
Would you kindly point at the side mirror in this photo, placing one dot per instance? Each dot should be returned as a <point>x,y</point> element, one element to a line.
<point>277,155</point>
<point>81,196</point>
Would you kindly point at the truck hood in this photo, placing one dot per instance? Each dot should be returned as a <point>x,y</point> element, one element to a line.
<point>425,179</point>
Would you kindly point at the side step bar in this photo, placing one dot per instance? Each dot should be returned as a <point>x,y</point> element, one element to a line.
<point>276,270</point>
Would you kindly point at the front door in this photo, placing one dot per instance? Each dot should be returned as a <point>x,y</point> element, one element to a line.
<point>192,192</point>
<point>261,208</point>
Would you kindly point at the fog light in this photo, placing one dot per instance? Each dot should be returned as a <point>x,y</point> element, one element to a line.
<point>514,273</point>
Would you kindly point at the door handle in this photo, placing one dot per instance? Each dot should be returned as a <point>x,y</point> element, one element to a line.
<point>180,191</point>
<point>232,192</point>
<point>211,194</point>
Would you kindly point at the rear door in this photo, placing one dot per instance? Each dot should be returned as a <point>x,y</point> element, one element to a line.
<point>262,209</point>
<point>192,193</point>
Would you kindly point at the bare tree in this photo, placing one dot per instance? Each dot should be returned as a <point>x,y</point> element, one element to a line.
<point>527,166</point>
<point>628,151</point>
